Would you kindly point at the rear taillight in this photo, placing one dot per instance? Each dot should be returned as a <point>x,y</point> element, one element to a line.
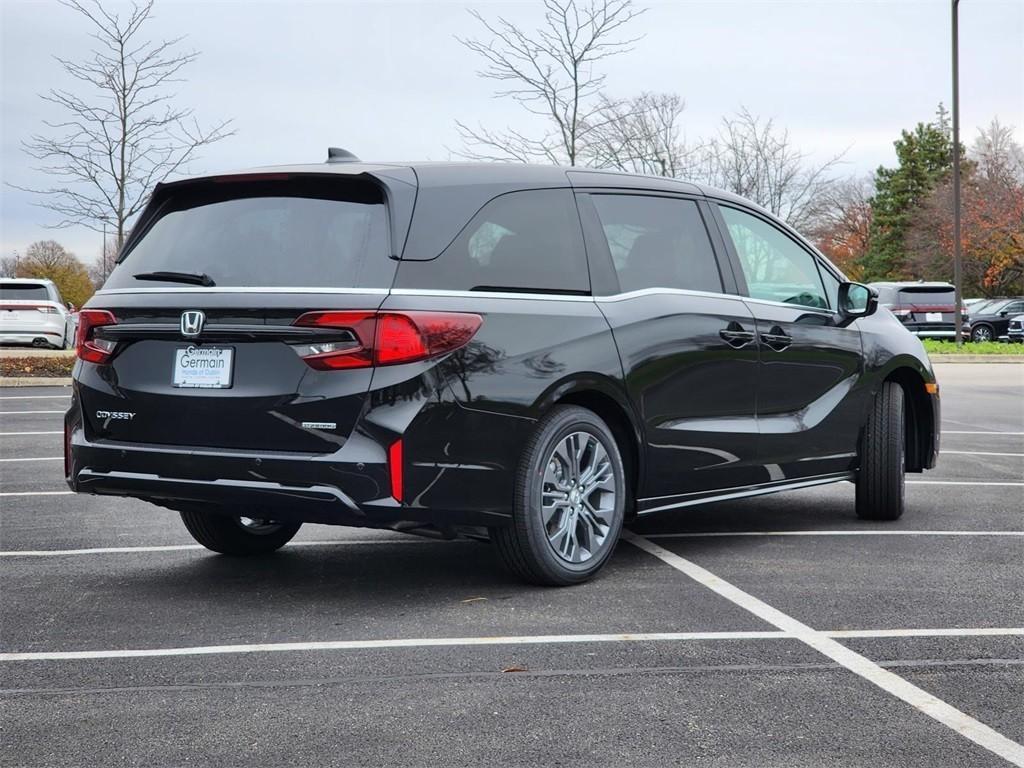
<point>385,338</point>
<point>47,310</point>
<point>901,312</point>
<point>91,349</point>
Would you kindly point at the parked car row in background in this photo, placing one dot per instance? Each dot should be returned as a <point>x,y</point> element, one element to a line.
<point>32,312</point>
<point>928,310</point>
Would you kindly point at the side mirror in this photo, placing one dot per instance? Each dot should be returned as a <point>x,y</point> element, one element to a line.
<point>856,300</point>
<point>1004,313</point>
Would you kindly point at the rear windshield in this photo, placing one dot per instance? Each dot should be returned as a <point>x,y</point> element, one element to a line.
<point>310,233</point>
<point>926,296</point>
<point>24,292</point>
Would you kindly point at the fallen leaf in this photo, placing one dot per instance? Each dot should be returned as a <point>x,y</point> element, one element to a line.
<point>515,669</point>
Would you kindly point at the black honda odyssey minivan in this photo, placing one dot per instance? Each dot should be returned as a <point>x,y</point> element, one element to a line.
<point>534,355</point>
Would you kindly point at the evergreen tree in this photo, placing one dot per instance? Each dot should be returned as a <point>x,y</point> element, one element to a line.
<point>925,159</point>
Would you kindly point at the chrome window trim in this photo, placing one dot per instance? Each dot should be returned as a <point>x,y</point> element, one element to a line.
<point>245,289</point>
<point>802,307</point>
<point>491,294</point>
<point>655,291</point>
<point>658,291</point>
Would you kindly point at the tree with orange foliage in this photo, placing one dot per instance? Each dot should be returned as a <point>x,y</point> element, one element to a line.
<point>992,221</point>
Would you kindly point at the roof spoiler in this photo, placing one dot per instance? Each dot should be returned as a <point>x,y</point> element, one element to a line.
<point>339,155</point>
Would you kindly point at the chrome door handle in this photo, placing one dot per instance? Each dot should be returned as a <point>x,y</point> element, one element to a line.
<point>776,339</point>
<point>735,336</point>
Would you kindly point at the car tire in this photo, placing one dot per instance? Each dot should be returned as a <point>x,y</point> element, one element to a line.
<point>880,481</point>
<point>231,535</point>
<point>571,540</point>
<point>982,333</point>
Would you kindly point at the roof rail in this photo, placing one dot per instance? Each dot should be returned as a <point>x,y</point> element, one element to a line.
<point>339,155</point>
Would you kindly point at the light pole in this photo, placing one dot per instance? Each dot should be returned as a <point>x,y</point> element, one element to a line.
<point>957,255</point>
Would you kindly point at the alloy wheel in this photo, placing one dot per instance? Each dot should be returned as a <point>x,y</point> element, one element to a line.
<point>982,333</point>
<point>578,497</point>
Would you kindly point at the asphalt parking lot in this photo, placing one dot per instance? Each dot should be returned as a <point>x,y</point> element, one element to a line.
<point>778,631</point>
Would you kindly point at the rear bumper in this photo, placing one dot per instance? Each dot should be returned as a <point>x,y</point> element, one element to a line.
<point>22,336</point>
<point>350,487</point>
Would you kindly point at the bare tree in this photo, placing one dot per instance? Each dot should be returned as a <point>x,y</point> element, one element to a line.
<point>754,159</point>
<point>640,135</point>
<point>552,72</point>
<point>120,132</point>
<point>9,265</point>
<point>842,225</point>
<point>100,269</point>
<point>997,155</point>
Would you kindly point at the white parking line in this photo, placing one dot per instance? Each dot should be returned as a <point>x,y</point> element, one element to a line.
<point>423,642</point>
<point>978,453</point>
<point>195,547</point>
<point>342,542</point>
<point>435,642</point>
<point>17,434</point>
<point>945,632</point>
<point>889,682</point>
<point>961,482</point>
<point>35,458</point>
<point>726,534</point>
<point>15,413</point>
<point>975,432</point>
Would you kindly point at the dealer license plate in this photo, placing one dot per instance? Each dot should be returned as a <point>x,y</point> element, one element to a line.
<point>933,317</point>
<point>203,367</point>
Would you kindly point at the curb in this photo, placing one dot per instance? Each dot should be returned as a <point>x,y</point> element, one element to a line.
<point>35,381</point>
<point>976,358</point>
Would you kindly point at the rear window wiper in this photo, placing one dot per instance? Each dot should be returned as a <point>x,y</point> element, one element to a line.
<point>177,277</point>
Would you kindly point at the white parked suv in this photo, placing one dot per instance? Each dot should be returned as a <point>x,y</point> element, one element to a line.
<point>32,312</point>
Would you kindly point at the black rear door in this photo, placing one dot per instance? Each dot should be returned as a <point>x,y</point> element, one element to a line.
<point>688,350</point>
<point>208,345</point>
<point>811,402</point>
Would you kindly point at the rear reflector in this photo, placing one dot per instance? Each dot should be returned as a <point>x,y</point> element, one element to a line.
<point>91,349</point>
<point>67,450</point>
<point>395,469</point>
<point>386,338</point>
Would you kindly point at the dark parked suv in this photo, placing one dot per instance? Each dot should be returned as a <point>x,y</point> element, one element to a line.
<point>531,354</point>
<point>991,322</point>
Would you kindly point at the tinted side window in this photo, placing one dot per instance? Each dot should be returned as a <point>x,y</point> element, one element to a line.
<point>657,242</point>
<point>831,287</point>
<point>776,268</point>
<point>529,241</point>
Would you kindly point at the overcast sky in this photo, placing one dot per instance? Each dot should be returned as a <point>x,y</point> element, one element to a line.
<point>388,80</point>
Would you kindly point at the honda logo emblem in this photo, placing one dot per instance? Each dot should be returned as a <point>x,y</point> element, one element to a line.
<point>192,323</point>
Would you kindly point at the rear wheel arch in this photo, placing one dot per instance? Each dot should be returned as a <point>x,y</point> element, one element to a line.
<point>920,427</point>
<point>615,414</point>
